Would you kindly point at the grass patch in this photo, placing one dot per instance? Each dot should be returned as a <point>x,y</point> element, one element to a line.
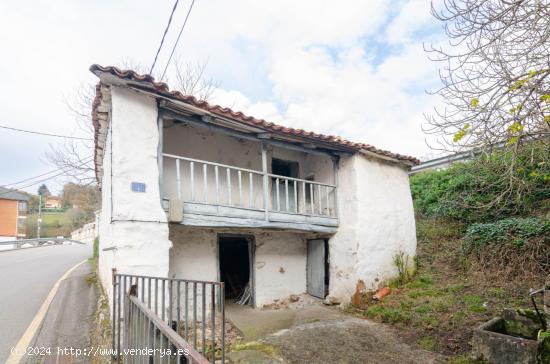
<point>427,342</point>
<point>475,303</point>
<point>267,349</point>
<point>438,308</point>
<point>389,314</point>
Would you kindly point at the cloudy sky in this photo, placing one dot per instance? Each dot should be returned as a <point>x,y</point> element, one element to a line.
<point>350,68</point>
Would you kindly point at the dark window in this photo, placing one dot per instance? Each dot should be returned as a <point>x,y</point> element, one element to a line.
<point>284,168</point>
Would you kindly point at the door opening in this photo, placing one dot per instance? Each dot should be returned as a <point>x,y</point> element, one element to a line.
<point>235,259</point>
<point>286,169</point>
<point>318,268</point>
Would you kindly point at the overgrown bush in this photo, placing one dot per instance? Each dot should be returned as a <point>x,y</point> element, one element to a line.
<point>485,189</point>
<point>515,231</point>
<point>513,245</point>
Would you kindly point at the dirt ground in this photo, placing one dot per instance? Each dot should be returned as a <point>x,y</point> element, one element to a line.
<point>319,334</point>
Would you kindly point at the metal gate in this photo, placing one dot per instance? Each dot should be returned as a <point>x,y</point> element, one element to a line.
<point>158,320</point>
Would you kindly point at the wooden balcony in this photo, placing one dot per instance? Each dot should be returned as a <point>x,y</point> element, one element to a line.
<point>218,195</point>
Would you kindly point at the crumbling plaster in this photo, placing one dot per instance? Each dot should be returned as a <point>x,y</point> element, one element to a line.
<point>279,265</point>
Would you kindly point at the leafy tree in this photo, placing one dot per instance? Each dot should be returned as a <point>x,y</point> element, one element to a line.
<point>44,191</point>
<point>83,197</point>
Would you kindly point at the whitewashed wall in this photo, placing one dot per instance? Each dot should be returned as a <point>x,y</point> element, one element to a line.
<point>279,267</point>
<point>375,210</point>
<point>376,223</point>
<point>132,223</point>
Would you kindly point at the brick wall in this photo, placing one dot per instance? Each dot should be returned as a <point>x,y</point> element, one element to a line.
<point>8,217</point>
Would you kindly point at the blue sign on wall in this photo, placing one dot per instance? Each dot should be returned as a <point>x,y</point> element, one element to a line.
<point>138,187</point>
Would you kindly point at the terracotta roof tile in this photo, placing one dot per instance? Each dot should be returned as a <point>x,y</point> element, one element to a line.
<point>162,89</point>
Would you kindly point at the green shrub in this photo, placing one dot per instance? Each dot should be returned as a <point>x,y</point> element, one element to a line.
<point>96,249</point>
<point>515,231</point>
<point>486,189</point>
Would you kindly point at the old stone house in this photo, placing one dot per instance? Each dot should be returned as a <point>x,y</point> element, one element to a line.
<point>197,191</point>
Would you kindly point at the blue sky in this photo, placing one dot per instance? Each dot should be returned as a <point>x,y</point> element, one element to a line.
<point>353,68</point>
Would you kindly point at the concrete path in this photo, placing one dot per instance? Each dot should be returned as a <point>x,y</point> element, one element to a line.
<point>69,321</point>
<point>26,278</point>
<point>318,334</point>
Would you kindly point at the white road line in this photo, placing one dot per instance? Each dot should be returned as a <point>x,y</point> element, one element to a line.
<point>15,356</point>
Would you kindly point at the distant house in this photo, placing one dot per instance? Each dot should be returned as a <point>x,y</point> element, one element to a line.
<point>198,191</point>
<point>52,202</point>
<point>13,214</point>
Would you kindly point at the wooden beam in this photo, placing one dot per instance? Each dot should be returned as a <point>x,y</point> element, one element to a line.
<point>168,114</point>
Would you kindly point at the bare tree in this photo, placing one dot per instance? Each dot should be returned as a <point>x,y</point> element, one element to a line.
<point>495,85</point>
<point>191,80</point>
<point>496,88</point>
<point>74,158</point>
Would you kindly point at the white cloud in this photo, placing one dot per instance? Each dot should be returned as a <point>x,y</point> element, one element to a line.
<point>307,64</point>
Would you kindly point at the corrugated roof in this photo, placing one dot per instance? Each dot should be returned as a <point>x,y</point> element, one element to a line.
<point>162,89</point>
<point>9,194</point>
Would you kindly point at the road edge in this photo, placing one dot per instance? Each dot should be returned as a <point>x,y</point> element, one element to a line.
<point>17,352</point>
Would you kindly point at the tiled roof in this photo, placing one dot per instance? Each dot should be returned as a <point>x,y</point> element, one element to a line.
<point>162,88</point>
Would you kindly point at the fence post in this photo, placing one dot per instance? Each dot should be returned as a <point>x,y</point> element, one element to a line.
<point>114,317</point>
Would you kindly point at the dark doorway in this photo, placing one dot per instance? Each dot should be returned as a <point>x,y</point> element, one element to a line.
<point>235,257</point>
<point>286,169</point>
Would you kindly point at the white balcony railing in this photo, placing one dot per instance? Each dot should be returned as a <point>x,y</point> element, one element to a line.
<point>199,181</point>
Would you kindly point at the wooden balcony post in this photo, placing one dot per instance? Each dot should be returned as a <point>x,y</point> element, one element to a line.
<point>336,167</point>
<point>266,180</point>
<point>160,158</point>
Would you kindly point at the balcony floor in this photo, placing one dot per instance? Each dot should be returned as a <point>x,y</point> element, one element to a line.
<point>207,215</point>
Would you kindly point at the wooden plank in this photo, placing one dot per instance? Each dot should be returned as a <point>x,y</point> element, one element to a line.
<point>192,177</point>
<point>315,278</point>
<point>328,201</point>
<point>205,181</point>
<point>160,157</point>
<point>255,214</point>
<point>216,172</point>
<point>251,190</point>
<point>229,222</point>
<point>311,198</point>
<point>286,195</point>
<point>229,186</point>
<point>277,194</point>
<point>295,197</point>
<point>335,165</point>
<point>303,219</point>
<point>178,178</point>
<point>266,181</point>
<point>320,200</point>
<point>240,188</point>
<point>304,196</point>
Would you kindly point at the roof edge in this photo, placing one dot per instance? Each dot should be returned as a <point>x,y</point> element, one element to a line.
<point>163,89</point>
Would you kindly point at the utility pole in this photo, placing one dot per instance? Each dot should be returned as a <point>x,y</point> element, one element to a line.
<point>39,220</point>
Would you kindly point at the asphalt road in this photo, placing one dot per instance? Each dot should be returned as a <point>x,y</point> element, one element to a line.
<point>26,278</point>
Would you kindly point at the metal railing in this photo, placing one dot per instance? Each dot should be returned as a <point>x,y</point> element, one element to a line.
<point>151,340</point>
<point>219,184</point>
<point>192,314</point>
<point>18,244</point>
